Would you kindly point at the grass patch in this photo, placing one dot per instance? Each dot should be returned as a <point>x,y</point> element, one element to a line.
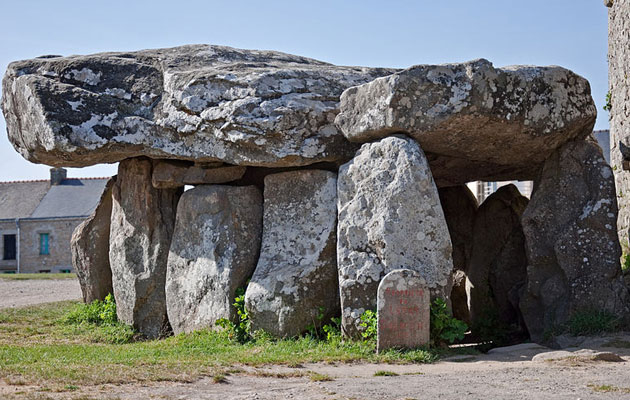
<point>385,373</point>
<point>67,344</point>
<point>592,322</point>
<point>317,377</point>
<point>587,323</point>
<point>27,277</point>
<point>608,388</point>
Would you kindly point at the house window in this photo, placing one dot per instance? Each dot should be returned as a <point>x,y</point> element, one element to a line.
<point>9,247</point>
<point>43,244</point>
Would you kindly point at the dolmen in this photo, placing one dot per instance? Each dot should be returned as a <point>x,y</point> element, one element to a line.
<point>309,182</point>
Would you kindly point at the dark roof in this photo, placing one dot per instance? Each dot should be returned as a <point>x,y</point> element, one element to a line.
<point>38,199</point>
<point>19,199</point>
<point>71,198</point>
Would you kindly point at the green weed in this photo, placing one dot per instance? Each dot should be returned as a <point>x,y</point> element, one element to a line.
<point>445,329</point>
<point>592,322</point>
<point>99,317</point>
<point>385,373</point>
<point>369,323</point>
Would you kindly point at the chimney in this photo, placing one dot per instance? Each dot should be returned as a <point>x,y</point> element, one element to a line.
<point>57,175</point>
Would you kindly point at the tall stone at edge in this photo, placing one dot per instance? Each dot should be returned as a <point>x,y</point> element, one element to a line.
<point>572,247</point>
<point>295,280</point>
<point>90,249</point>
<point>619,89</point>
<point>142,227</point>
<point>389,218</point>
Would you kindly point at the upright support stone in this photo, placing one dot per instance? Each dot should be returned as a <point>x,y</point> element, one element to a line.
<point>389,218</point>
<point>619,102</point>
<point>141,232</point>
<point>90,249</point>
<point>460,208</point>
<point>403,310</point>
<point>296,277</point>
<point>572,246</point>
<point>214,251</point>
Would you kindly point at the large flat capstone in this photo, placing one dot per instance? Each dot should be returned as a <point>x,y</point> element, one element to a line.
<point>197,102</point>
<point>389,218</point>
<point>474,121</point>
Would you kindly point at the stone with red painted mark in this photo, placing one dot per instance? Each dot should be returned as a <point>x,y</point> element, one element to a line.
<point>403,309</point>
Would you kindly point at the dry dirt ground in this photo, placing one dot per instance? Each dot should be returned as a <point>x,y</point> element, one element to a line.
<point>15,293</point>
<point>507,373</point>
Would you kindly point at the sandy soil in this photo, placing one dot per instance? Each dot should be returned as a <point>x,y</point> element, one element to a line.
<point>507,373</point>
<point>30,292</point>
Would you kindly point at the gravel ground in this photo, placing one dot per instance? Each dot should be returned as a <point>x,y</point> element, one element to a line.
<point>15,293</point>
<point>507,373</point>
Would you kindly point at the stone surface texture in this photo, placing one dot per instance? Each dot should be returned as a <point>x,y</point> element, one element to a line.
<point>175,174</point>
<point>403,310</point>
<point>196,102</point>
<point>90,250</point>
<point>485,123</point>
<point>141,230</point>
<point>389,218</point>
<point>213,252</point>
<point>572,246</point>
<point>296,276</point>
<point>460,207</point>
<point>619,89</point>
<point>498,264</point>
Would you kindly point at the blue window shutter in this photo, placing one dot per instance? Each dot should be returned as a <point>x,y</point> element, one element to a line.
<point>43,243</point>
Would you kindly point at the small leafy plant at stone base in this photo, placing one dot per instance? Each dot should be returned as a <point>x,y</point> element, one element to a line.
<point>625,267</point>
<point>101,314</point>
<point>369,323</point>
<point>239,331</point>
<point>445,329</point>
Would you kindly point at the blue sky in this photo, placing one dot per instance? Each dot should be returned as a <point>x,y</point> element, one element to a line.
<point>570,33</point>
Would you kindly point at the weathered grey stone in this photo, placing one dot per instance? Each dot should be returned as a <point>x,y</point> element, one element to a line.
<point>498,264</point>
<point>619,89</point>
<point>403,311</point>
<point>213,252</point>
<point>474,121</point>
<point>584,355</point>
<point>198,102</point>
<point>90,249</point>
<point>174,174</point>
<point>141,231</point>
<point>296,275</point>
<point>572,247</point>
<point>460,207</point>
<point>389,218</point>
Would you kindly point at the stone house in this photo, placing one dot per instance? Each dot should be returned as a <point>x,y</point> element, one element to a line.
<point>37,219</point>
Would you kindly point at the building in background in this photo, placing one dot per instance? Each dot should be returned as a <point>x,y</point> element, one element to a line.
<point>482,190</point>
<point>37,219</point>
